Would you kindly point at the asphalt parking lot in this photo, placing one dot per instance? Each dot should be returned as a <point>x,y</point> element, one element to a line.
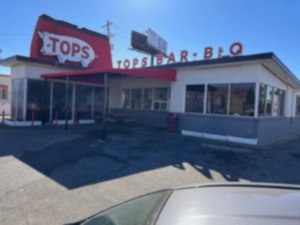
<point>52,176</point>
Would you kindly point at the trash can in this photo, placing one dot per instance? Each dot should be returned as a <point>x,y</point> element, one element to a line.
<point>172,123</point>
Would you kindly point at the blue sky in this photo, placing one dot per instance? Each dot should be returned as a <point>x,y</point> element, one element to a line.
<point>261,25</point>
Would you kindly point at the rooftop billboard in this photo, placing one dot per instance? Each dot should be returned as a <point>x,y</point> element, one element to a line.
<point>150,44</point>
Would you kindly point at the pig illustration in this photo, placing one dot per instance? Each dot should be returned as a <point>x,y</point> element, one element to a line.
<point>66,48</point>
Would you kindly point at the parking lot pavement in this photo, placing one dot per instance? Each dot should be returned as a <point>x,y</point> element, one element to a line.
<point>52,176</point>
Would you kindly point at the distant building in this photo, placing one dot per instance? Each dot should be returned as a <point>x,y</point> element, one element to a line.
<point>5,94</point>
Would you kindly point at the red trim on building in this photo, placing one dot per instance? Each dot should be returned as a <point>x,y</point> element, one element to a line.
<point>86,75</point>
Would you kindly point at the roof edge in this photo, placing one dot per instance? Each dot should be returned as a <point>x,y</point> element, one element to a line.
<point>286,69</point>
<point>215,61</point>
<point>72,26</point>
<point>25,59</point>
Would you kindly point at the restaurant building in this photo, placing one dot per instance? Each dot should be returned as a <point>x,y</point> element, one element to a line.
<point>253,99</point>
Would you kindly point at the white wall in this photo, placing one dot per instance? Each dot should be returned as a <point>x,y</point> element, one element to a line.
<point>18,71</point>
<point>244,73</point>
<point>33,71</point>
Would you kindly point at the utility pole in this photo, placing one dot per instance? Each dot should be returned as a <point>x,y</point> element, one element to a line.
<point>107,27</point>
<point>109,35</point>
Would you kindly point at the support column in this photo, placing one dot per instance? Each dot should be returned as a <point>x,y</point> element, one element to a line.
<point>51,103</point>
<point>67,102</point>
<point>104,108</point>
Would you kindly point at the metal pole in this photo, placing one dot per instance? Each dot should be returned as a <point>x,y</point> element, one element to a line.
<point>152,60</point>
<point>67,102</point>
<point>3,118</point>
<point>45,103</point>
<point>104,108</point>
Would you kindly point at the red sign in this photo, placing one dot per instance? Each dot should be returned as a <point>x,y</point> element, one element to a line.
<point>235,49</point>
<point>55,40</point>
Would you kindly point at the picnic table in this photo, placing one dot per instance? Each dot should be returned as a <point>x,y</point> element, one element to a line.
<point>118,118</point>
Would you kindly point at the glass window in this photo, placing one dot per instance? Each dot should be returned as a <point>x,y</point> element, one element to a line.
<point>217,98</point>
<point>161,99</point>
<point>38,100</point>
<point>84,99</point>
<point>126,99</point>
<point>281,103</point>
<point>3,91</point>
<point>98,101</point>
<point>142,210</point>
<point>148,98</point>
<point>161,94</point>
<point>242,99</point>
<point>298,106</point>
<point>136,98</point>
<point>269,101</point>
<point>145,98</point>
<point>17,99</point>
<point>262,100</point>
<point>59,101</point>
<point>194,98</point>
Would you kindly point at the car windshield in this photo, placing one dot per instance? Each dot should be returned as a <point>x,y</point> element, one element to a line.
<point>142,210</point>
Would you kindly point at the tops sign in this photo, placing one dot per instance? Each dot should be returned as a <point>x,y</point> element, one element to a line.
<point>66,48</point>
<point>235,49</point>
<point>55,40</point>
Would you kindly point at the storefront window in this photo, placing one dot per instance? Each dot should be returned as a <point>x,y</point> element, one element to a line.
<point>217,98</point>
<point>84,99</point>
<point>98,101</point>
<point>148,98</point>
<point>126,99</point>
<point>194,98</point>
<point>161,99</point>
<point>59,101</point>
<point>281,103</point>
<point>17,99</point>
<point>262,99</point>
<point>38,100</point>
<point>145,98</point>
<point>298,106</point>
<point>271,101</point>
<point>136,98</point>
<point>3,92</point>
<point>242,99</point>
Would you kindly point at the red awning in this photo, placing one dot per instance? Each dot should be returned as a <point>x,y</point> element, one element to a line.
<point>93,75</point>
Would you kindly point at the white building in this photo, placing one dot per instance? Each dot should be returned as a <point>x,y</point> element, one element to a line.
<point>250,99</point>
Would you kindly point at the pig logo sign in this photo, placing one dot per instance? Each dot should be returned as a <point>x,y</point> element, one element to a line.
<point>66,48</point>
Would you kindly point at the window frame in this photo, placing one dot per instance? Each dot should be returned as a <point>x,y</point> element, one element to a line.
<point>160,103</point>
<point>3,92</point>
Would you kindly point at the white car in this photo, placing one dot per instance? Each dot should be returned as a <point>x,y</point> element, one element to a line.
<point>230,203</point>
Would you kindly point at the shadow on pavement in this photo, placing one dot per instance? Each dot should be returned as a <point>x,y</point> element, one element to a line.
<point>86,159</point>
